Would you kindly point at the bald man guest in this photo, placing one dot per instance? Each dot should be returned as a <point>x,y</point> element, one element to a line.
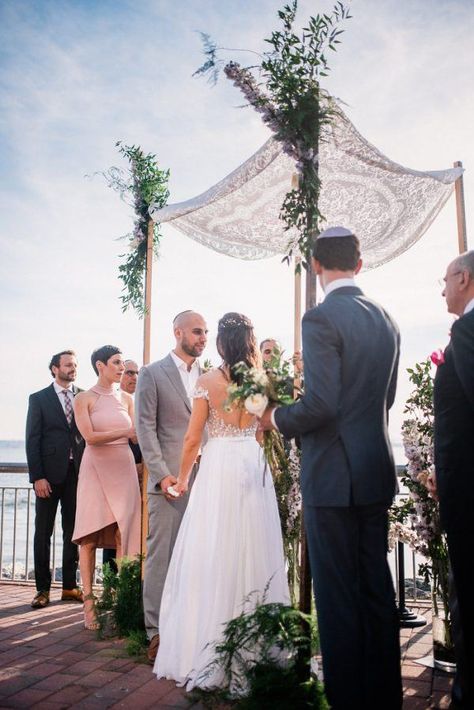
<point>348,479</point>
<point>163,408</point>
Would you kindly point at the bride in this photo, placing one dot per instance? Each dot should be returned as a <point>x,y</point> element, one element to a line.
<point>229,547</point>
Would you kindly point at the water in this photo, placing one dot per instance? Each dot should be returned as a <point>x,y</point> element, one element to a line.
<point>16,533</point>
<point>13,452</point>
<point>22,542</point>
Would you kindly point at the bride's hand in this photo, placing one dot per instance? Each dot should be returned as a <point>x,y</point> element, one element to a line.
<point>181,487</point>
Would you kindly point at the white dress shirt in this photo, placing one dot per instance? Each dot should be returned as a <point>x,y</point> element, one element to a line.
<point>339,283</point>
<point>188,377</point>
<point>58,389</point>
<point>469,306</point>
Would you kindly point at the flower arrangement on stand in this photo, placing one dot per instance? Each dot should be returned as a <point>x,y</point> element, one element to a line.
<point>421,509</point>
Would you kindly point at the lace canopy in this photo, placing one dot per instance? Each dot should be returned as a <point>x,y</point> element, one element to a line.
<point>388,206</point>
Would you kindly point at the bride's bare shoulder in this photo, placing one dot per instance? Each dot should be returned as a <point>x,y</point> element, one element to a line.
<point>211,375</point>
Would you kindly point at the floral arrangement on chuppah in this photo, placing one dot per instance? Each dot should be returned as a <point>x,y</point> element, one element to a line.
<point>285,88</point>
<point>416,521</point>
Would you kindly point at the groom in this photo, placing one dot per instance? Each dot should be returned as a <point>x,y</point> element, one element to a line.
<point>163,407</point>
<point>348,479</point>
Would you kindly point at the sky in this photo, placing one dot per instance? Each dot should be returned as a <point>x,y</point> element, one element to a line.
<point>78,75</point>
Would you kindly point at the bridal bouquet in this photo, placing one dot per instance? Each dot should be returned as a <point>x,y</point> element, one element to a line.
<point>275,385</point>
<point>259,389</point>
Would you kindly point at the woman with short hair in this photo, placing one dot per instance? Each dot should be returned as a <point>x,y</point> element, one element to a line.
<point>108,494</point>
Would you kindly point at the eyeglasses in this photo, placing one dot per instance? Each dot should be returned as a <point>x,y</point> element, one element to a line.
<point>131,373</point>
<point>442,282</point>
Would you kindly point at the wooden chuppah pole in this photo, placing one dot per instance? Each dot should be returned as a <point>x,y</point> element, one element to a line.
<point>146,360</point>
<point>297,299</point>
<point>460,210</point>
<point>305,571</point>
<point>148,277</point>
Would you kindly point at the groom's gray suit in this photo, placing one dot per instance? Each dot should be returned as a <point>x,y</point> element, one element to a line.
<point>162,416</point>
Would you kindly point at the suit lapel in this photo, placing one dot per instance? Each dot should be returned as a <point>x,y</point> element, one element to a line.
<point>56,404</point>
<point>174,377</point>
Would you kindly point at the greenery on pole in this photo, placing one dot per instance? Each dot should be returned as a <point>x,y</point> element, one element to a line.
<point>285,89</point>
<point>143,184</point>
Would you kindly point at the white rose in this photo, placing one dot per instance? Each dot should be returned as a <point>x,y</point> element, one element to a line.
<point>260,378</point>
<point>256,404</point>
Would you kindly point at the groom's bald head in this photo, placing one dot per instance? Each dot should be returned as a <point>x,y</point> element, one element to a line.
<point>190,331</point>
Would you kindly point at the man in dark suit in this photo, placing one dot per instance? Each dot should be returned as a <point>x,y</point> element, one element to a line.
<point>348,478</point>
<point>454,459</point>
<point>54,450</point>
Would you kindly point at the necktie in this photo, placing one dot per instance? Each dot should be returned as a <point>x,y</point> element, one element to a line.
<point>67,407</point>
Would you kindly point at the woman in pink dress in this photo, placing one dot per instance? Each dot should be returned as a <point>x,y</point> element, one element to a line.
<point>108,494</point>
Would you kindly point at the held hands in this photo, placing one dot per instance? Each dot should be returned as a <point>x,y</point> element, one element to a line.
<point>42,488</point>
<point>180,488</point>
<point>166,483</point>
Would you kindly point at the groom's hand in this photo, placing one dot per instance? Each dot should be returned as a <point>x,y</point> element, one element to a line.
<point>165,483</point>
<point>265,422</point>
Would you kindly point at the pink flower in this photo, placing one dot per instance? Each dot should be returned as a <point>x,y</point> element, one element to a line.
<point>437,357</point>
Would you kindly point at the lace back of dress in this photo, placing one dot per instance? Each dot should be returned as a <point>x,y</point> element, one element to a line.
<point>222,421</point>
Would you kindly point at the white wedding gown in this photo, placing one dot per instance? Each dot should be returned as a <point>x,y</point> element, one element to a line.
<point>228,552</point>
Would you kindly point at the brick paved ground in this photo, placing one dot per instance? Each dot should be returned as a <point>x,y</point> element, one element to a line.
<point>49,662</point>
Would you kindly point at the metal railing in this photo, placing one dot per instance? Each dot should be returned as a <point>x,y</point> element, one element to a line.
<point>17,530</point>
<point>17,516</point>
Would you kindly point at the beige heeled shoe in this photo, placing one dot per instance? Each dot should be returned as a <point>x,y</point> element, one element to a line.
<point>90,614</point>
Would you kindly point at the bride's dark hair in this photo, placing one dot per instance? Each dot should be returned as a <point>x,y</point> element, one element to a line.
<point>236,342</point>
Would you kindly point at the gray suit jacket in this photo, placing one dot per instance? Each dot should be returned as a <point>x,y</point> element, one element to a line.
<point>350,351</point>
<point>162,411</point>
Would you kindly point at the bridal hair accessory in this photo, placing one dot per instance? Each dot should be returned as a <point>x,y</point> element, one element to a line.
<point>234,323</point>
<point>335,232</point>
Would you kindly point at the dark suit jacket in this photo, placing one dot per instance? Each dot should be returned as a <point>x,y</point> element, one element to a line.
<point>454,428</point>
<point>49,438</point>
<point>350,353</point>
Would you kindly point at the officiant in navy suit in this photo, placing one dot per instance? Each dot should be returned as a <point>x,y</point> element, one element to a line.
<point>348,478</point>
<point>454,462</point>
<point>54,449</point>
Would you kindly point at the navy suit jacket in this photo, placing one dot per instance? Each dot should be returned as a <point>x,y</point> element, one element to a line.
<point>454,428</point>
<point>350,354</point>
<point>49,438</point>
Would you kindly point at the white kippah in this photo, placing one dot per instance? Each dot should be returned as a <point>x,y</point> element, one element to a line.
<point>335,232</point>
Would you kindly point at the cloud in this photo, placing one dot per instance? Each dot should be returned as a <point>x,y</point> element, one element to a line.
<point>75,77</point>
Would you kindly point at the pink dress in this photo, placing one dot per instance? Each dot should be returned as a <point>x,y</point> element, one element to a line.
<point>108,493</point>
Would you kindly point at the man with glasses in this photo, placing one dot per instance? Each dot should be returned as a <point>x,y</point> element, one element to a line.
<point>454,459</point>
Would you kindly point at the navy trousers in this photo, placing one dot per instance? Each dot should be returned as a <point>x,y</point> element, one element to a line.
<point>355,600</point>
<point>64,493</point>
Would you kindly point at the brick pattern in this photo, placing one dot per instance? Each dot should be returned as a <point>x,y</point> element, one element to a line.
<point>48,661</point>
